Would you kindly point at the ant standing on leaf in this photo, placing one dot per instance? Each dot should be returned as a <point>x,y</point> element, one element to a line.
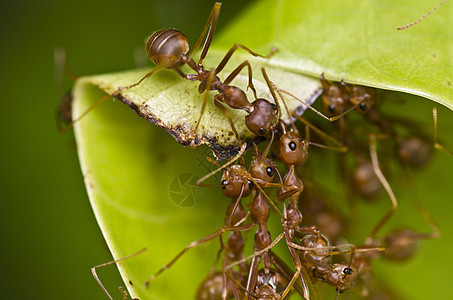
<point>169,49</point>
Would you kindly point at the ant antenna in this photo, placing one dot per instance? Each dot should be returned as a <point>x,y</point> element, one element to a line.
<point>419,20</point>
<point>93,269</point>
<point>385,184</point>
<point>436,142</point>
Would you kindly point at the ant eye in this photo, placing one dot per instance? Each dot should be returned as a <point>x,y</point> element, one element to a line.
<point>274,107</point>
<point>363,106</point>
<point>347,271</point>
<point>332,108</point>
<point>224,183</point>
<point>250,184</point>
<point>270,171</point>
<point>292,146</point>
<point>262,131</point>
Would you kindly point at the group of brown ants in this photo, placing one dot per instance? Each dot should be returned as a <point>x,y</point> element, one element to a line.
<point>315,254</point>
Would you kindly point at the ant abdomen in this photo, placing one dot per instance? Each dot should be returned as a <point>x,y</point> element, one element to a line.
<point>414,151</point>
<point>402,245</point>
<point>262,118</point>
<point>365,181</point>
<point>166,47</point>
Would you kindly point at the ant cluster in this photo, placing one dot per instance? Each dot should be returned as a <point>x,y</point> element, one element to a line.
<point>314,232</point>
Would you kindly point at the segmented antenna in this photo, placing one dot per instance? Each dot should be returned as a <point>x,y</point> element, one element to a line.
<point>419,20</point>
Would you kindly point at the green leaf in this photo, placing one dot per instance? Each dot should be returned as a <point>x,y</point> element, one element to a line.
<point>175,104</point>
<point>129,165</point>
<point>356,41</point>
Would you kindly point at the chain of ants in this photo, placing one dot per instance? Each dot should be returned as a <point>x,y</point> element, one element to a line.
<point>310,250</point>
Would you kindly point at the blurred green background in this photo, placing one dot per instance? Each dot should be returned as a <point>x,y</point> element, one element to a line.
<point>50,238</point>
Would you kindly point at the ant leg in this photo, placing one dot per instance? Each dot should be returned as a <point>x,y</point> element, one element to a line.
<point>122,88</point>
<point>227,57</point>
<point>436,142</point>
<point>253,275</point>
<point>70,125</point>
<point>419,20</point>
<point>196,243</point>
<point>211,23</point>
<point>228,115</point>
<point>298,265</point>
<point>284,269</point>
<point>236,72</point>
<point>205,99</point>
<point>337,145</point>
<point>257,253</point>
<point>330,119</point>
<point>428,219</point>
<point>93,269</point>
<point>385,184</point>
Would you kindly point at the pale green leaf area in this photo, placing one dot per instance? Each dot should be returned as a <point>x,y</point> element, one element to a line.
<point>174,104</point>
<point>356,41</point>
<point>130,164</point>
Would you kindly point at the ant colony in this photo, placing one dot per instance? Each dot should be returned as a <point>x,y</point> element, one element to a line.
<point>326,255</point>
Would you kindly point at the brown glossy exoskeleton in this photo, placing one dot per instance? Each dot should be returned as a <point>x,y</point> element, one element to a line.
<point>316,255</point>
<point>336,97</point>
<point>169,49</point>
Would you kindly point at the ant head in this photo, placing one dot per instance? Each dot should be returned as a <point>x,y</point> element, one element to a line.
<point>293,148</point>
<point>233,182</point>
<point>363,97</point>
<point>263,169</point>
<point>401,245</point>
<point>334,100</point>
<point>414,151</point>
<point>166,47</point>
<point>262,118</point>
<point>342,276</point>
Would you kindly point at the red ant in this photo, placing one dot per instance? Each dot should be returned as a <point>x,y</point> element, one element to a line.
<point>169,49</point>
